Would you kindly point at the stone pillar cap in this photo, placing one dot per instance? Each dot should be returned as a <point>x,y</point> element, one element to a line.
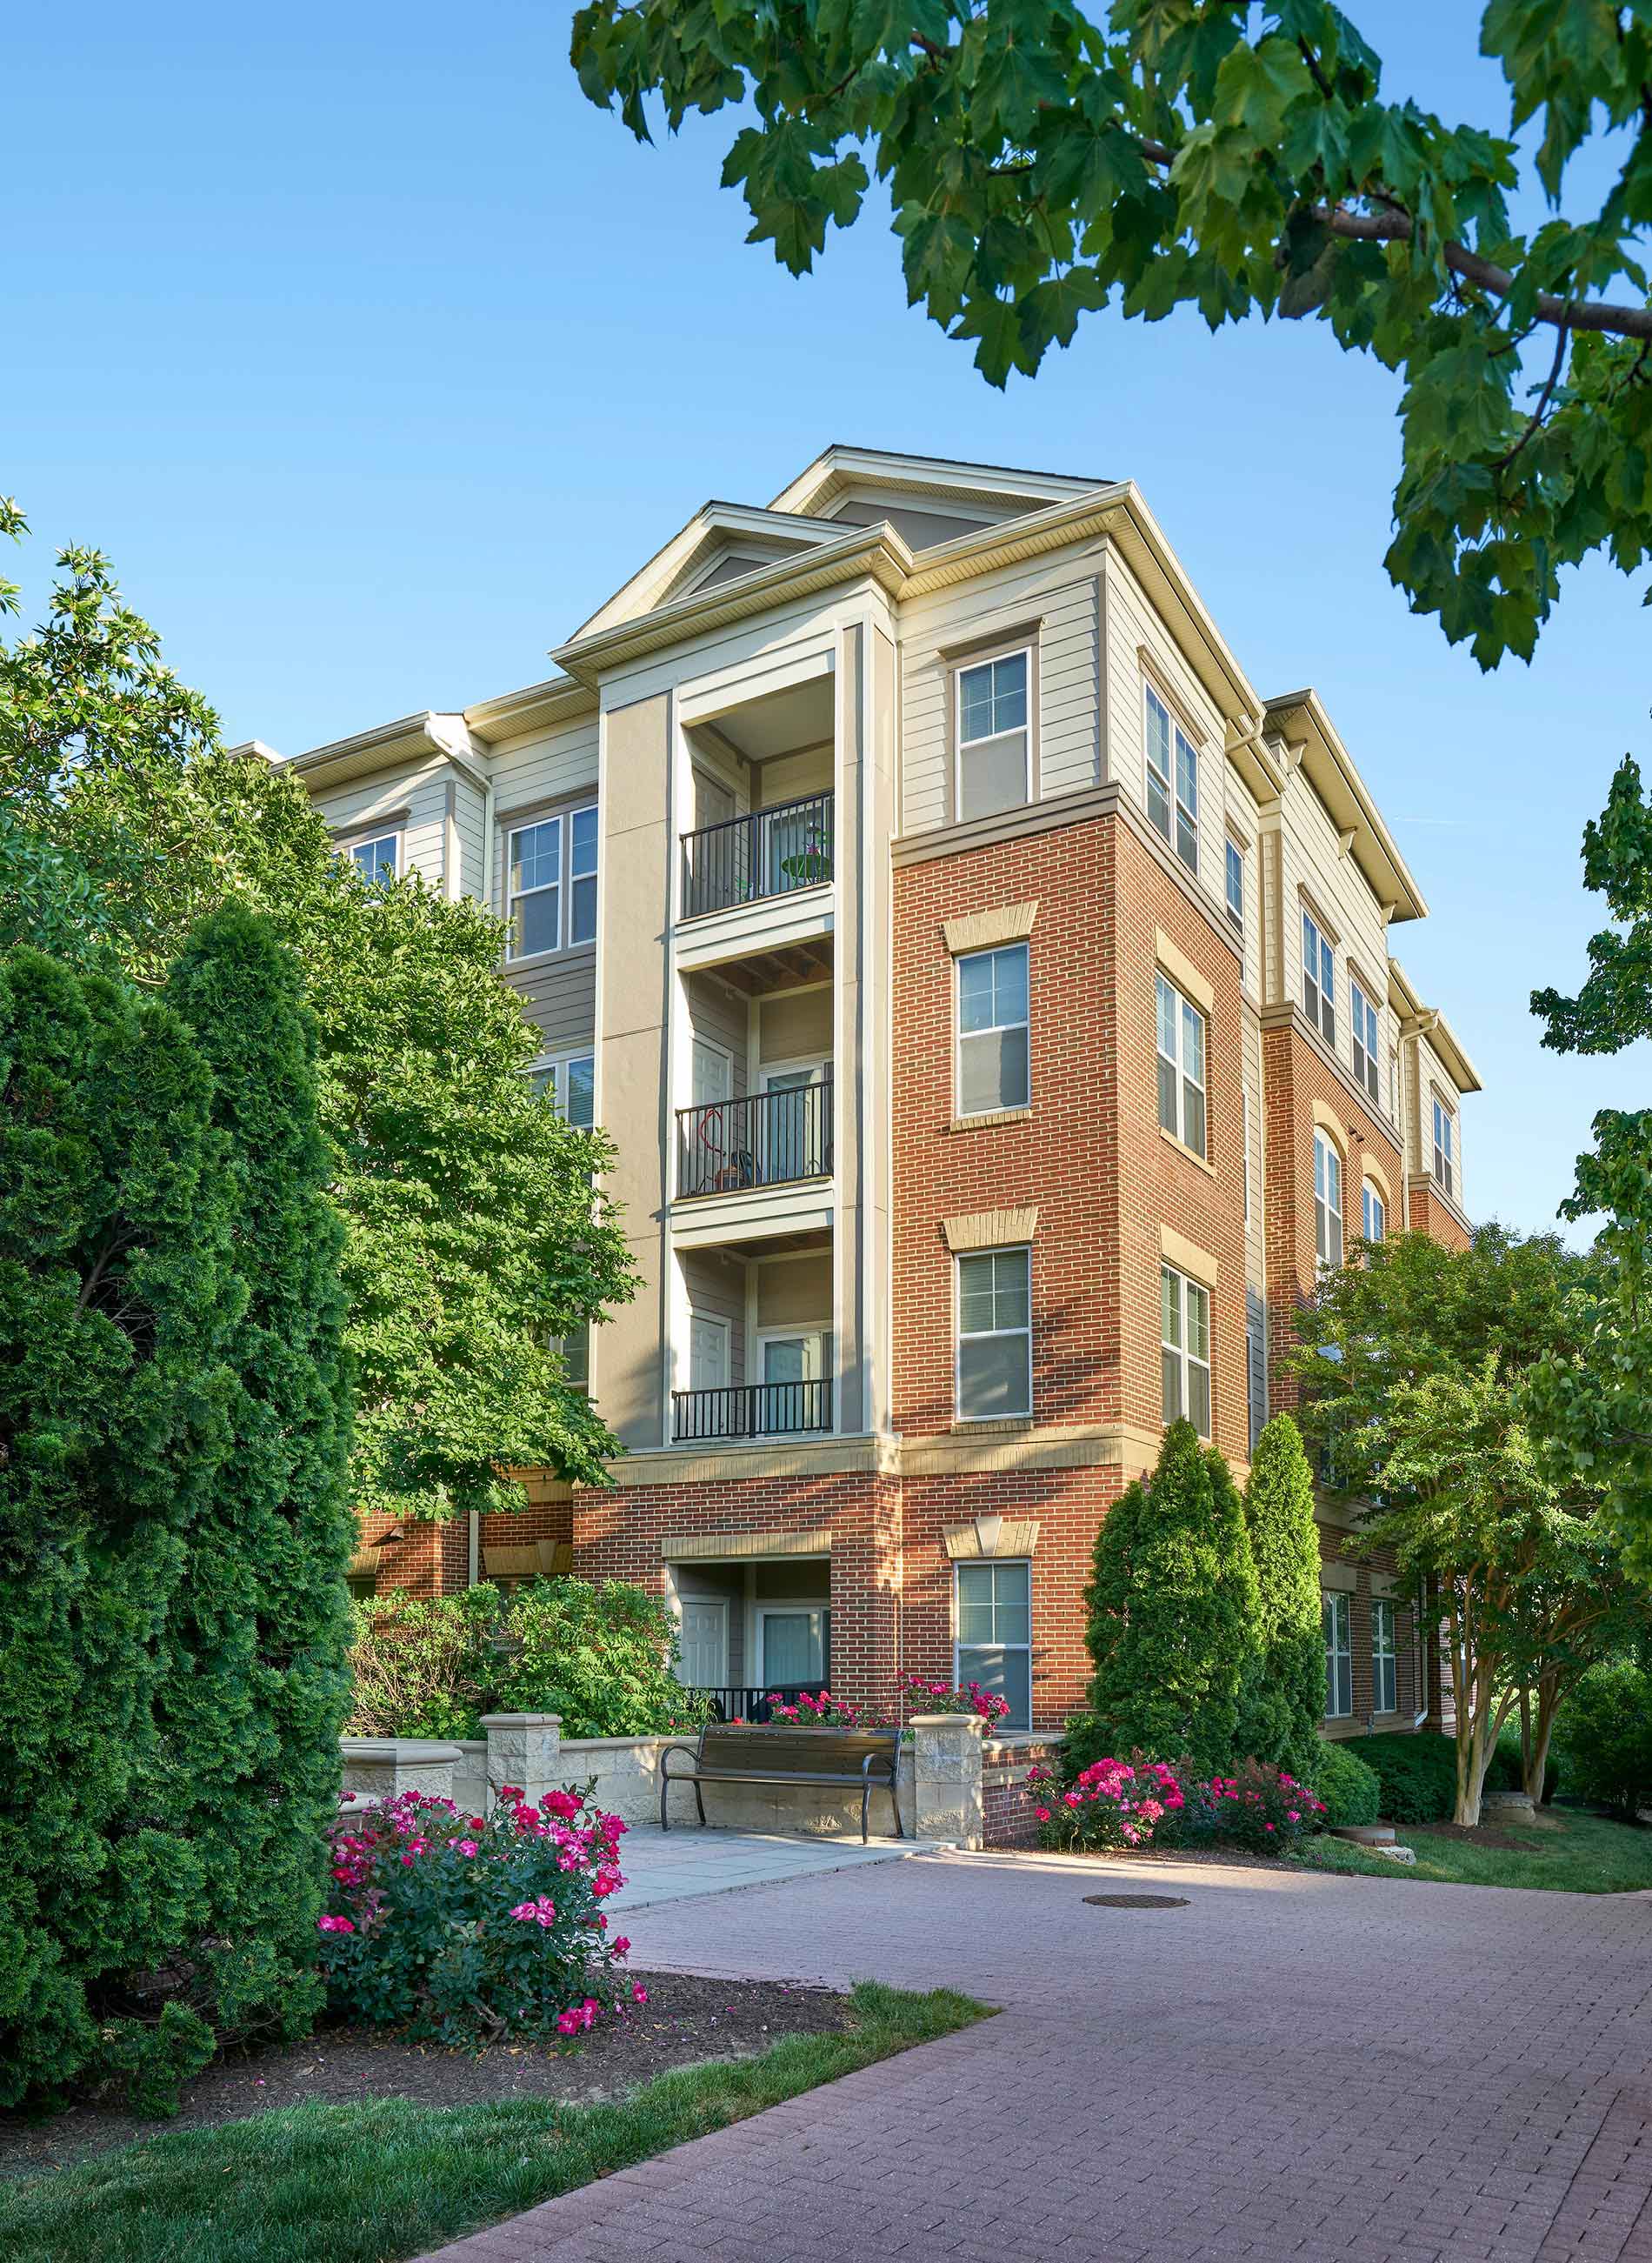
<point>521,1720</point>
<point>403,1748</point>
<point>969,1722</point>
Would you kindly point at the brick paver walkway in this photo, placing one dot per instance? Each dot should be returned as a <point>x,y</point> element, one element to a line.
<point>1292,2065</point>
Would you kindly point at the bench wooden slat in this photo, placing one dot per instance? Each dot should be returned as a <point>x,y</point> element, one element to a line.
<point>850,1758</point>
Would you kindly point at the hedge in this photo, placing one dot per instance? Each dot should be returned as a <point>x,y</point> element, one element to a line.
<point>1351,1789</point>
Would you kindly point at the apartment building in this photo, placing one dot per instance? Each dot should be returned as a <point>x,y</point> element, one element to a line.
<point>993,998</point>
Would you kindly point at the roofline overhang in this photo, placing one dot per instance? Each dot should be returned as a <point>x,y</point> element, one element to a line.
<point>445,737</point>
<point>842,463</point>
<point>514,713</point>
<point>1300,719</point>
<point>1418,1020</point>
<point>637,593</point>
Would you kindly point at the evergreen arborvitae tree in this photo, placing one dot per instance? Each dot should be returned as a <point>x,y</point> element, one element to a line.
<point>260,1686</point>
<point>1172,1605</point>
<point>1287,1701</point>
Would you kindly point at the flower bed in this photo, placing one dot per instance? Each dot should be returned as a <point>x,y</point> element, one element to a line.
<point>452,1926</point>
<point>1127,1806</point>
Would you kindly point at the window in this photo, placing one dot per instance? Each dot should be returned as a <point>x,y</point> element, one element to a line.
<point>1376,1213</point>
<point>1319,979</point>
<point>1327,1201</point>
<point>1172,798</point>
<point>995,1632</point>
<point>537,884</point>
<point>992,1030</point>
<point>575,1351</point>
<point>1443,1127</point>
<point>1364,1038</point>
<point>794,1643</point>
<point>1235,885</point>
<point>994,736</point>
<point>1185,1329</point>
<point>570,1086</point>
<point>1181,1068</point>
<point>1384,1665</point>
<point>378,860</point>
<point>1338,1622</point>
<point>995,1335</point>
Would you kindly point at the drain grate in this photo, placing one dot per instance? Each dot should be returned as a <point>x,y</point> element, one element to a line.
<point>1136,1901</point>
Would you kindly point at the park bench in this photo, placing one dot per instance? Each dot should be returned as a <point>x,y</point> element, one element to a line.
<point>860,1760</point>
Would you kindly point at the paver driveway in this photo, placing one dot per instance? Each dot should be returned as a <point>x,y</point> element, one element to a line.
<point>1291,2065</point>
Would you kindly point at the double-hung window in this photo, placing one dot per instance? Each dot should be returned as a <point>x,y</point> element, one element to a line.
<point>1327,1202</point>
<point>1365,1039</point>
<point>552,865</point>
<point>570,1086</point>
<point>1337,1619</point>
<point>1181,1068</point>
<point>1172,781</point>
<point>1185,1332</point>
<point>1375,1220</point>
<point>995,1635</point>
<point>1443,1129</point>
<point>995,1335</point>
<point>1319,979</point>
<point>992,1030</point>
<point>994,735</point>
<point>1385,1695</point>
<point>575,1350</point>
<point>1235,879</point>
<point>376,860</point>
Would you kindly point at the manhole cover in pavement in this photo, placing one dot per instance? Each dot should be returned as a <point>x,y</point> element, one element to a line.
<point>1137,1901</point>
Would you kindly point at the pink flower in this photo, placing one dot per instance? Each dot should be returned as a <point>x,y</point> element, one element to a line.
<point>1291,1816</point>
<point>639,1993</point>
<point>560,1803</point>
<point>1042,1813</point>
<point>1267,1826</point>
<point>335,1925</point>
<point>465,1847</point>
<point>621,1947</point>
<point>568,2023</point>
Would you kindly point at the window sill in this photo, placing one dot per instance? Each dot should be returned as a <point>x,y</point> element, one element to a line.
<point>988,1118</point>
<point>530,959</point>
<point>991,1425</point>
<point>1182,1148</point>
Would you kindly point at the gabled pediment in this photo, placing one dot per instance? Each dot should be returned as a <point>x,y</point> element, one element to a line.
<point>722,541</point>
<point>928,500</point>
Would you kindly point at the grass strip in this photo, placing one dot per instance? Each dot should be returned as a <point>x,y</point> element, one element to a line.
<point>385,2180</point>
<point>1578,1855</point>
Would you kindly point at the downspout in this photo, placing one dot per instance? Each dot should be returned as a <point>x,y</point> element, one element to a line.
<point>474,1566</point>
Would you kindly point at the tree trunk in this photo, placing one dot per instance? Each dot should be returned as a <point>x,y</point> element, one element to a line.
<point>1548,1697</point>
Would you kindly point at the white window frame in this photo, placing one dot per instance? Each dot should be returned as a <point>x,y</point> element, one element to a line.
<point>1319,978</point>
<point>1234,862</point>
<point>1184,1292</point>
<point>372,836</point>
<point>564,820</point>
<point>961,1036</point>
<point>1336,1617</point>
<point>959,1647</point>
<point>1006,1249</point>
<point>972,666</point>
<point>1444,1147</point>
<point>1368,1038</point>
<point>1178,826</point>
<point>1373,1211</point>
<point>1384,1652</point>
<point>1184,1007</point>
<point>1329,1172</point>
<point>557,1069</point>
<point>812,1606</point>
<point>576,1359</point>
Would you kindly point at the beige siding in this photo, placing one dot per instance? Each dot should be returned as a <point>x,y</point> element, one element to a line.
<point>1318,874</point>
<point>1133,626</point>
<point>1242,821</point>
<point>1432,1076</point>
<point>796,1025</point>
<point>547,767</point>
<point>559,996</point>
<point>796,1291</point>
<point>716,1288</point>
<point>421,790</point>
<point>721,1016</point>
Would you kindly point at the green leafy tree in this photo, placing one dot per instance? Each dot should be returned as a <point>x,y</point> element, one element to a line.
<point>1043,165</point>
<point>1286,1698</point>
<point>474,1240</point>
<point>1171,1606</point>
<point>1605,1736</point>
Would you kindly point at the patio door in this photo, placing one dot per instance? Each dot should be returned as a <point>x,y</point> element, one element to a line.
<point>795,1131</point>
<point>702,1645</point>
<point>793,1369</point>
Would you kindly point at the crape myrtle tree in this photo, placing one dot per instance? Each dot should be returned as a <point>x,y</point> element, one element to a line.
<point>474,1239</point>
<point>1043,163</point>
<point>1415,1364</point>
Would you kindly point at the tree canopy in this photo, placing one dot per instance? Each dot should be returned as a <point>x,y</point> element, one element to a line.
<point>1043,165</point>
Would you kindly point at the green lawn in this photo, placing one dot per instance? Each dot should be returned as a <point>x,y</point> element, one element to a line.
<point>1582,1855</point>
<point>372,2183</point>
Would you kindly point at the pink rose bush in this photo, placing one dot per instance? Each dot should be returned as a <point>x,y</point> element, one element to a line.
<point>1126,1805</point>
<point>1261,1808</point>
<point>451,1926</point>
<point>923,1696</point>
<point>824,1711</point>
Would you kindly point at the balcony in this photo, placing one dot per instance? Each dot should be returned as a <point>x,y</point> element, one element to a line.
<point>751,1410</point>
<point>748,860</point>
<point>772,1139</point>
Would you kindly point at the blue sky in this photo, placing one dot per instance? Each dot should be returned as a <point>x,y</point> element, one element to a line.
<point>376,358</point>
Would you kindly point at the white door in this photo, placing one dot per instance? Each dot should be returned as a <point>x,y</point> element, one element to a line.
<point>703,1646</point>
<point>713,1075</point>
<point>707,1355</point>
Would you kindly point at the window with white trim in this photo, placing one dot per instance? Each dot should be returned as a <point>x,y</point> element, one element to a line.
<point>1235,885</point>
<point>1327,1202</point>
<point>1364,1017</point>
<point>1385,1683</point>
<point>1444,1141</point>
<point>994,735</point>
<point>575,1351</point>
<point>569,1084</point>
<point>1337,1623</point>
<point>550,864</point>
<point>995,1335</point>
<point>1319,979</point>
<point>1185,1333</point>
<point>378,860</point>
<point>993,1068</point>
<point>1172,781</point>
<point>1375,1218</point>
<point>994,1641</point>
<point>1182,1108</point>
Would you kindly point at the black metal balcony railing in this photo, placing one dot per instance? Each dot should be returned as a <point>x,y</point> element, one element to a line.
<point>769,853</point>
<point>751,1410</point>
<point>754,1705</point>
<point>766,1140</point>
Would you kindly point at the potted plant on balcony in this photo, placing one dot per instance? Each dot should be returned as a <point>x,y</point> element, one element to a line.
<point>811,863</point>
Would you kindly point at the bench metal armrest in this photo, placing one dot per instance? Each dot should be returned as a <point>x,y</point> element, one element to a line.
<point>692,1751</point>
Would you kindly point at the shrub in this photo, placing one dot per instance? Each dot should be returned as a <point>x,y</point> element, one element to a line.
<point>424,1668</point>
<point>1110,1805</point>
<point>450,1926</point>
<point>1418,1775</point>
<point>1283,1699</point>
<point>1261,1808</point>
<point>1172,1609</point>
<point>1604,1733</point>
<point>1351,1790</point>
<point>824,1711</point>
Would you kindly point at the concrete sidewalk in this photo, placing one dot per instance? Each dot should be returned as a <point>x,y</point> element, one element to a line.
<point>1292,2065</point>
<point>678,1864</point>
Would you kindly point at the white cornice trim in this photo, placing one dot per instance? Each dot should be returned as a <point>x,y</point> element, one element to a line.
<point>1330,768</point>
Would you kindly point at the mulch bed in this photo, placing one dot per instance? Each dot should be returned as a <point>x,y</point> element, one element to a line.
<point>685,2019</point>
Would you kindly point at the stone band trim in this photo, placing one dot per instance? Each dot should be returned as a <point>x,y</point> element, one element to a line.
<point>1018,1537</point>
<point>1187,1256</point>
<point>1182,971</point>
<point>1344,1578</point>
<point>692,1547</point>
<point>989,1229</point>
<point>981,930</point>
<point>1112,1446</point>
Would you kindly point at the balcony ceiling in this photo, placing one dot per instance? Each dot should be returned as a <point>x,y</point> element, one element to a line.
<point>784,723</point>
